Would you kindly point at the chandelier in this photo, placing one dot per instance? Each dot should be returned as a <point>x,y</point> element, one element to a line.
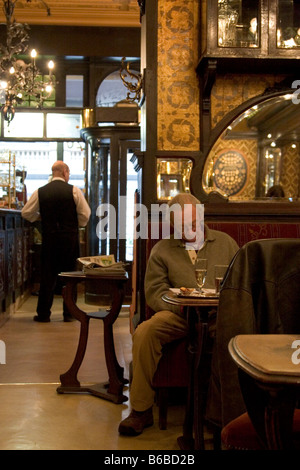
<point>20,80</point>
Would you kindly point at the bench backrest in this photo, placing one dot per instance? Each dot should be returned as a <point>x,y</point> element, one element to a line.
<point>242,232</point>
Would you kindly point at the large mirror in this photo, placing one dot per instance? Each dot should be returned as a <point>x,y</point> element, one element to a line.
<point>257,155</point>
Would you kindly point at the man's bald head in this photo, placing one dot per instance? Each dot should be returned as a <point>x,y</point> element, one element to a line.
<point>61,170</point>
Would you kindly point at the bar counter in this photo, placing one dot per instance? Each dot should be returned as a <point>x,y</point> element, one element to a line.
<point>15,261</point>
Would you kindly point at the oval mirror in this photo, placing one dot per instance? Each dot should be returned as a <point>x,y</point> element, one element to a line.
<point>257,155</point>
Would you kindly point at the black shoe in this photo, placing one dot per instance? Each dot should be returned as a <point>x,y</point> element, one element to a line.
<point>136,422</point>
<point>41,319</point>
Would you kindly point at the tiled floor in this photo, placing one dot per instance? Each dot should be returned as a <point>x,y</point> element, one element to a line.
<point>34,416</point>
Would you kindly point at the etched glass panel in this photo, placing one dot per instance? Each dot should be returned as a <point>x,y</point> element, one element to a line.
<point>288,24</point>
<point>238,23</point>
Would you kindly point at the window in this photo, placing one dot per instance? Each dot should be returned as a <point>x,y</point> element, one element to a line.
<point>131,187</point>
<point>74,157</point>
<point>29,125</point>
<point>36,159</point>
<point>111,91</point>
<point>63,125</point>
<point>74,91</point>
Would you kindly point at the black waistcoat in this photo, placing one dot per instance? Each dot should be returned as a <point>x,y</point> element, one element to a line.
<point>57,208</point>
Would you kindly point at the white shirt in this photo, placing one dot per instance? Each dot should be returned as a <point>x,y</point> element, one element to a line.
<point>31,210</point>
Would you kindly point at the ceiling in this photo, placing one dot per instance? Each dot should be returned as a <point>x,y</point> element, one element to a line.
<point>110,13</point>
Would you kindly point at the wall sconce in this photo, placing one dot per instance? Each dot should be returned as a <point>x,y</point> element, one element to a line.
<point>134,85</point>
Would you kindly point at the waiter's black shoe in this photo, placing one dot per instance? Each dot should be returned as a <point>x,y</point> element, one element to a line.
<point>41,319</point>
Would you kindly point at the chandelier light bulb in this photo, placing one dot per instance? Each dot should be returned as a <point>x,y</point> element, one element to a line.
<point>19,95</point>
<point>3,84</point>
<point>51,64</point>
<point>48,88</point>
<point>33,53</point>
<point>12,70</point>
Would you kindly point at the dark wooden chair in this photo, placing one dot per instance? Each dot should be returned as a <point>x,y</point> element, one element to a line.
<point>171,375</point>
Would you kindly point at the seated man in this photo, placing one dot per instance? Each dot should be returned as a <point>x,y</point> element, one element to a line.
<point>171,264</point>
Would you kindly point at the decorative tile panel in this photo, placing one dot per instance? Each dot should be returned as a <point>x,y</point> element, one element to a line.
<point>177,82</point>
<point>230,91</point>
<point>290,171</point>
<point>248,147</point>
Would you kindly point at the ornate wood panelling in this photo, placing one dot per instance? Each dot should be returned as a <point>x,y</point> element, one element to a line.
<point>2,264</point>
<point>26,255</point>
<point>177,83</point>
<point>10,259</point>
<point>18,257</point>
<point>14,260</point>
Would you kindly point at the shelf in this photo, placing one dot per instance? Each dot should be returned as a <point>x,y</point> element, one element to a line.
<point>10,173</point>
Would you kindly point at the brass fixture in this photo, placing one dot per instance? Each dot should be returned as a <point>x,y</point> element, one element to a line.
<point>135,86</point>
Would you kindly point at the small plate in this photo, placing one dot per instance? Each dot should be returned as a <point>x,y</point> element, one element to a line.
<point>206,293</point>
<point>198,296</point>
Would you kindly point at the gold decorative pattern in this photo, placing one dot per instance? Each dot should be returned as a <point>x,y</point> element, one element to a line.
<point>247,147</point>
<point>230,91</point>
<point>230,170</point>
<point>290,171</point>
<point>178,90</point>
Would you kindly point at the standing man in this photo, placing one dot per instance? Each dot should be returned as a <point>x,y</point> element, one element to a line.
<point>62,209</point>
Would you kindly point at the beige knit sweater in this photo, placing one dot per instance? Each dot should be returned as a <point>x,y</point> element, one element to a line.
<point>170,265</point>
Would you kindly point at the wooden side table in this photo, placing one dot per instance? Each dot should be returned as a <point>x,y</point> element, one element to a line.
<point>196,310</point>
<point>113,390</point>
<point>270,384</point>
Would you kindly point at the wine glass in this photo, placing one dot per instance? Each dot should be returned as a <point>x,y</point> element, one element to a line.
<point>200,273</point>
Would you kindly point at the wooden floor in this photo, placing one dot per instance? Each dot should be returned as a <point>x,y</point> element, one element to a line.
<point>35,417</point>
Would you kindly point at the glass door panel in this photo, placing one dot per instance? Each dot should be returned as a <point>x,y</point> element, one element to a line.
<point>238,23</point>
<point>288,24</point>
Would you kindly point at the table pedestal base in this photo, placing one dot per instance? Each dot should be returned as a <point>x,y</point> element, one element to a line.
<point>113,389</point>
<point>98,390</point>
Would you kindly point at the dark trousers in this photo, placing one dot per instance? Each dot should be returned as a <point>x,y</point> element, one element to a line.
<point>59,254</point>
